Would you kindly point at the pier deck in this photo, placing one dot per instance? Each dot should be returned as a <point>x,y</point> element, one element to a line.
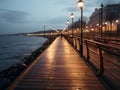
<point>59,67</point>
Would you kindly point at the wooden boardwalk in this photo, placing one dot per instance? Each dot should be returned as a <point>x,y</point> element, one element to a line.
<point>59,67</point>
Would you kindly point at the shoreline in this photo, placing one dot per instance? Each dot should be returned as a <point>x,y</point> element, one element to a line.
<point>7,76</point>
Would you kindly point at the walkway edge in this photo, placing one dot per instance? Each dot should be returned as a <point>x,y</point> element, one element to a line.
<point>16,82</point>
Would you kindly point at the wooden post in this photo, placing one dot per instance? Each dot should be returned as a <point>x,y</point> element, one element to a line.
<point>101,71</point>
<point>87,49</point>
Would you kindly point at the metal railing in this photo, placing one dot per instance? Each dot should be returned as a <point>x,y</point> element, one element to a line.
<point>105,58</point>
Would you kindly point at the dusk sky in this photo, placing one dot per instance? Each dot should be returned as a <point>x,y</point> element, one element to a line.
<point>19,16</point>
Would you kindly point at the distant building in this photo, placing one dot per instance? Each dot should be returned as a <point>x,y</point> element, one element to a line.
<point>110,21</point>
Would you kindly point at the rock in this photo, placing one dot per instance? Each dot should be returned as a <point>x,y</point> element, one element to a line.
<point>4,83</point>
<point>20,67</point>
<point>15,70</point>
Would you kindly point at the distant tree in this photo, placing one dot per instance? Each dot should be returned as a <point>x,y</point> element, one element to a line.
<point>77,24</point>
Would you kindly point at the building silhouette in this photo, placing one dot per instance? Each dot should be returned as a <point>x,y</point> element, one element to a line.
<point>110,20</point>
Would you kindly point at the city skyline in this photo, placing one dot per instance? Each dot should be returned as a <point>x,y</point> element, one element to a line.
<point>32,15</point>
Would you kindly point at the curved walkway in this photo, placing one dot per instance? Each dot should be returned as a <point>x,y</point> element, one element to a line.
<point>59,67</point>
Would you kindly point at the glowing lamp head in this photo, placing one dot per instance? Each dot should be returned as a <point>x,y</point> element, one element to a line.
<point>72,15</point>
<point>117,21</point>
<point>68,22</point>
<point>80,3</point>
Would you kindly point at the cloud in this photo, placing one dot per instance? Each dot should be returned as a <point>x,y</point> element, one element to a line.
<point>72,9</point>
<point>59,20</point>
<point>110,1</point>
<point>56,22</point>
<point>12,16</point>
<point>61,2</point>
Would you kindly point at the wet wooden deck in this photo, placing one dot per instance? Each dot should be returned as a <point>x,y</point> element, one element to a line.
<point>59,67</point>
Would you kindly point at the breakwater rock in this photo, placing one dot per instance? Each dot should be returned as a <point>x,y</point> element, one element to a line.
<point>9,75</point>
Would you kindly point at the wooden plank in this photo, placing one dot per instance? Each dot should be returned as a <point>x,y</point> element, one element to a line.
<point>59,67</point>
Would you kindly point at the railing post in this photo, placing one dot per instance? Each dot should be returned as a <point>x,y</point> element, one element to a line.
<point>87,49</point>
<point>79,44</point>
<point>71,40</point>
<point>76,42</point>
<point>101,71</point>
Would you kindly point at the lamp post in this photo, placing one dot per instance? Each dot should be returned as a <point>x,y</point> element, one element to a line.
<point>106,26</point>
<point>117,21</point>
<point>72,17</point>
<point>80,4</point>
<point>97,27</point>
<point>101,23</point>
<point>68,26</point>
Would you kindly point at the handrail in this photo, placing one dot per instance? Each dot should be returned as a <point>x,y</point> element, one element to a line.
<point>99,55</point>
<point>108,39</point>
<point>101,47</point>
<point>104,46</point>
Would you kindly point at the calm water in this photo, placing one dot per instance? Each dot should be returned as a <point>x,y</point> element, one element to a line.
<point>14,48</point>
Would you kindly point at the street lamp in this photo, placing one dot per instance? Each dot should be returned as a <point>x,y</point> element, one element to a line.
<point>117,21</point>
<point>80,4</point>
<point>101,23</point>
<point>72,17</point>
<point>68,25</point>
<point>106,26</point>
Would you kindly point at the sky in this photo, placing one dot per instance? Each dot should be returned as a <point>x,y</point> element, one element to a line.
<point>22,16</point>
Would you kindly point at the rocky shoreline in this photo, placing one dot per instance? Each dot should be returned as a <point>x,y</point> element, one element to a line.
<point>9,75</point>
